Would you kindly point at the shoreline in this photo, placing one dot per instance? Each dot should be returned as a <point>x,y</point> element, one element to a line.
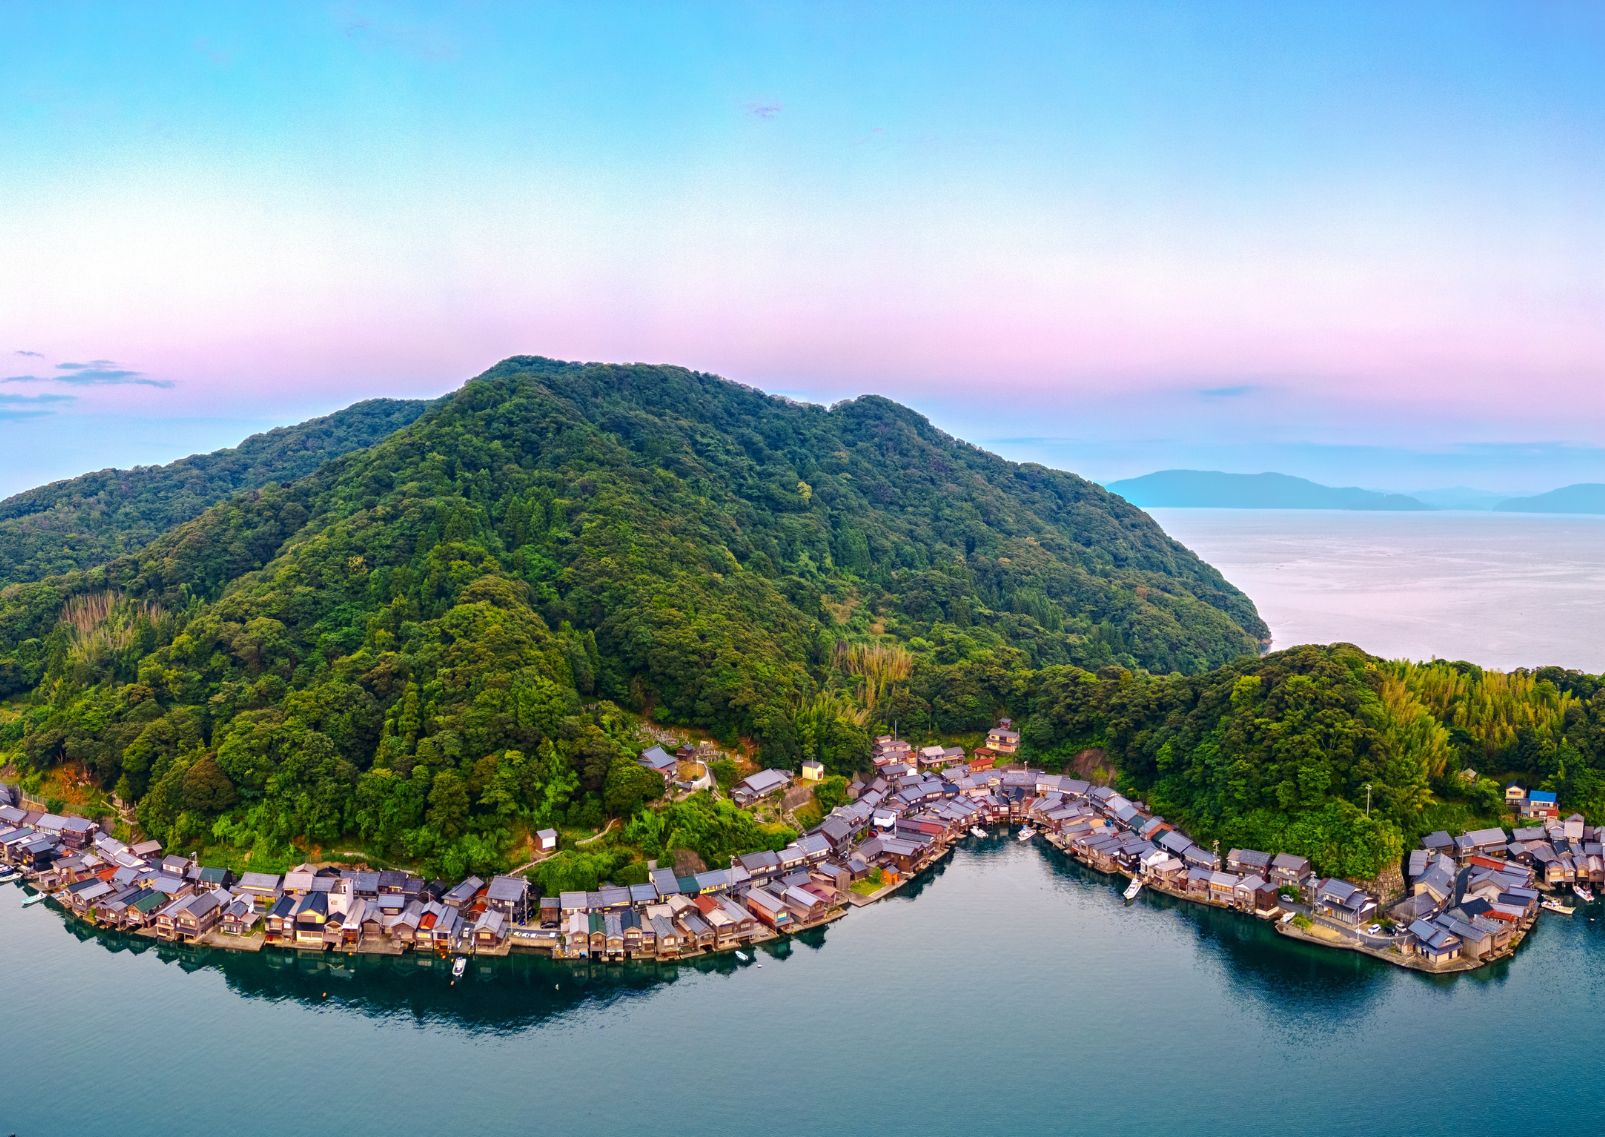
<point>1334,940</point>
<point>258,942</point>
<point>904,826</point>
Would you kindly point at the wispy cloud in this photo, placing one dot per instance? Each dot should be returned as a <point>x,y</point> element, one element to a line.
<point>877,139</point>
<point>96,373</point>
<point>421,43</point>
<point>1233,391</point>
<point>765,111</point>
<point>217,55</point>
<point>1519,450</point>
<point>114,377</point>
<point>21,400</point>
<point>30,354</point>
<point>16,407</point>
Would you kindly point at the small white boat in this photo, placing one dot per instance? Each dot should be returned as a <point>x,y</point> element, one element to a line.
<point>9,875</point>
<point>1025,833</point>
<point>977,831</point>
<point>1553,905</point>
<point>1132,889</point>
<point>743,956</point>
<point>36,898</point>
<point>458,966</point>
<point>1583,892</point>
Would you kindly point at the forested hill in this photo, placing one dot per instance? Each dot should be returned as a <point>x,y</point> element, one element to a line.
<point>87,520</point>
<point>1329,752</point>
<point>419,645</point>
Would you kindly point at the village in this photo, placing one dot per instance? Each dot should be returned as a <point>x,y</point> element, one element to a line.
<point>1469,898</point>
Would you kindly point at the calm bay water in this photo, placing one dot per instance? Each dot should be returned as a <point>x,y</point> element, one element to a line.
<point>1499,589</point>
<point>1013,992</point>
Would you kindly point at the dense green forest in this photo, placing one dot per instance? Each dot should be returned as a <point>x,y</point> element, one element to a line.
<point>85,521</point>
<point>1276,753</point>
<point>430,645</point>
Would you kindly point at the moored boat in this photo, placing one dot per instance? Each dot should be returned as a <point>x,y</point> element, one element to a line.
<point>977,831</point>
<point>1026,833</point>
<point>743,956</point>
<point>9,875</point>
<point>1133,888</point>
<point>1553,905</point>
<point>458,966</point>
<point>36,898</point>
<point>1583,892</point>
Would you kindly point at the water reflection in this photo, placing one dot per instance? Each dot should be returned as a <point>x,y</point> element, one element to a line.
<point>1290,978</point>
<point>1294,986</point>
<point>503,995</point>
<point>913,889</point>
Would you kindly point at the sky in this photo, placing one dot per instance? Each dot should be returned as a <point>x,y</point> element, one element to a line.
<point>1358,242</point>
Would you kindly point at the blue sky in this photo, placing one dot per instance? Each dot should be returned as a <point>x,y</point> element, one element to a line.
<point>1364,243</point>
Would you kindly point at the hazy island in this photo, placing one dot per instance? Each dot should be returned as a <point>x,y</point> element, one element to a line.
<point>1211,489</point>
<point>1585,497</point>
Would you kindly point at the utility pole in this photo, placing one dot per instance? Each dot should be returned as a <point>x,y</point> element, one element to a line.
<point>1368,799</point>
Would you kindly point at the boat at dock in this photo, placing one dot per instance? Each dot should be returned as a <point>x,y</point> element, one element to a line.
<point>1583,893</point>
<point>1026,833</point>
<point>458,966</point>
<point>977,831</point>
<point>1132,889</point>
<point>1553,905</point>
<point>743,956</point>
<point>36,898</point>
<point>9,875</point>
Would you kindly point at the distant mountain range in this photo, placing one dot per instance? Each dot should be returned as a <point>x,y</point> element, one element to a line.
<point>1585,497</point>
<point>1213,489</point>
<point>1460,497</point>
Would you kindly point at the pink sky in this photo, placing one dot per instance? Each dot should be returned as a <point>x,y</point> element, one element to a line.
<point>1048,218</point>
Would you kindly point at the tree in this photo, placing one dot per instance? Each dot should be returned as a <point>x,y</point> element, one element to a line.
<point>448,805</point>
<point>630,786</point>
<point>206,789</point>
<point>831,792</point>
